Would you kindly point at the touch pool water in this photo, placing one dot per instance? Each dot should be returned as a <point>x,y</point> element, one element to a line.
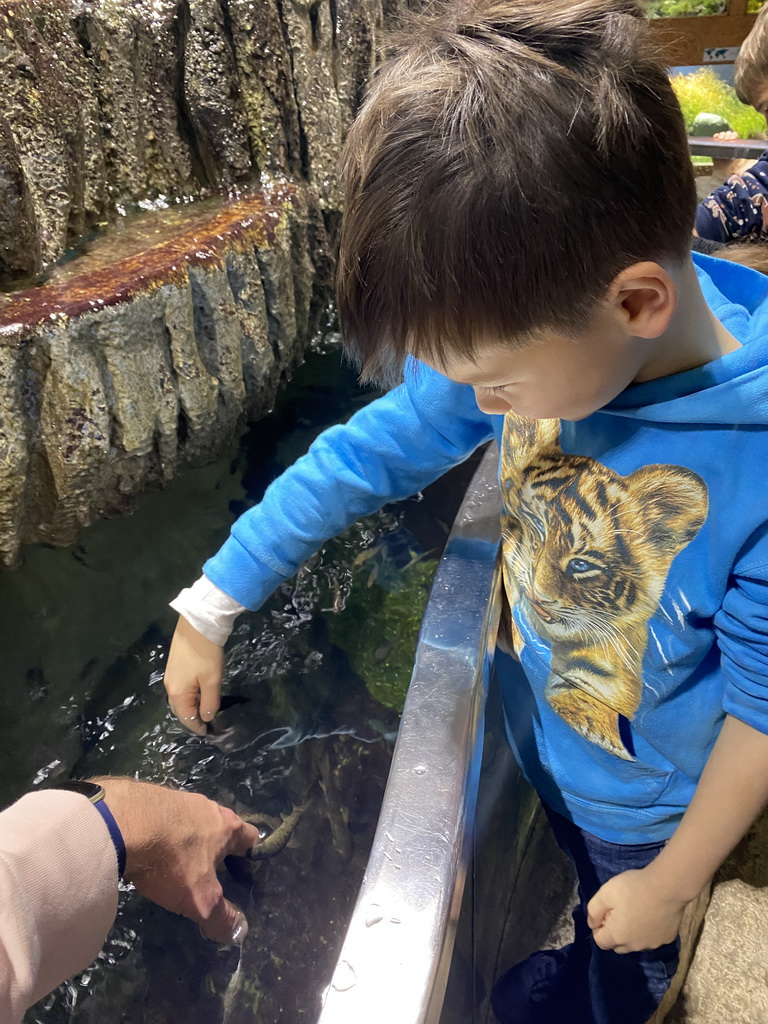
<point>83,640</point>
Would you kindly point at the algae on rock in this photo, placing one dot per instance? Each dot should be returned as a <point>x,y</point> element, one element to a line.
<point>384,610</point>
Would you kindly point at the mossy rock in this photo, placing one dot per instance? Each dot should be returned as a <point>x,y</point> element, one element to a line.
<point>708,124</point>
<point>381,626</point>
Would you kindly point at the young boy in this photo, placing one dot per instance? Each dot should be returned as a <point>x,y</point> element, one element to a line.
<point>518,220</point>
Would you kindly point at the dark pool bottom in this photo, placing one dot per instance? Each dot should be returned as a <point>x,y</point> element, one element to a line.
<point>84,635</point>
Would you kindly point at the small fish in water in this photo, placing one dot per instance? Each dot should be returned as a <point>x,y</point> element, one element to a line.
<point>282,830</point>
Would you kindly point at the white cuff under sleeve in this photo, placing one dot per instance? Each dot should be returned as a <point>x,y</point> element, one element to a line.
<point>208,609</point>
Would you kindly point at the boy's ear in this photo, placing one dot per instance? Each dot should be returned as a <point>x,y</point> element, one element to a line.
<point>644,297</point>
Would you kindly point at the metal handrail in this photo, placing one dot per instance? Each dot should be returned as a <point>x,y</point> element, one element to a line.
<point>395,959</point>
<point>735,149</point>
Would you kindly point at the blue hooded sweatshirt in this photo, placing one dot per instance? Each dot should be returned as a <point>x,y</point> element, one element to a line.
<point>635,556</point>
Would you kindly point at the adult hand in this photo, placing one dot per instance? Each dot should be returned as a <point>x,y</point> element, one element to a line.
<point>193,676</point>
<point>725,136</point>
<point>632,911</point>
<point>174,842</point>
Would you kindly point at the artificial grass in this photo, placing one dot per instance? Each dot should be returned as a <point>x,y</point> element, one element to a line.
<point>703,92</point>
<point>690,8</point>
<point>685,8</point>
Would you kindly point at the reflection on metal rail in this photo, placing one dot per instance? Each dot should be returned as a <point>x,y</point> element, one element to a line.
<point>395,959</point>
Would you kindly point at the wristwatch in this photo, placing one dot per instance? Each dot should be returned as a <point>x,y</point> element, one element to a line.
<point>97,795</point>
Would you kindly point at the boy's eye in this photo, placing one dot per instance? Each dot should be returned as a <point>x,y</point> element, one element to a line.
<point>492,391</point>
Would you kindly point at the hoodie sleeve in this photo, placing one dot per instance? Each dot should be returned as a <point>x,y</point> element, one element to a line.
<point>391,449</point>
<point>738,208</point>
<point>742,634</point>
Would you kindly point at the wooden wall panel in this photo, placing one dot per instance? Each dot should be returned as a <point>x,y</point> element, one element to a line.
<point>685,39</point>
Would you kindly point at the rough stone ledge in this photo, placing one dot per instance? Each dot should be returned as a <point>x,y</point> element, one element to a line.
<point>251,220</point>
<point>110,378</point>
<point>109,103</point>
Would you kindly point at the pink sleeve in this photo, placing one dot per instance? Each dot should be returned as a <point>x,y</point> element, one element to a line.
<point>58,894</point>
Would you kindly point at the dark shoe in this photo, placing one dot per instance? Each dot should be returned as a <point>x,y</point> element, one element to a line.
<point>543,989</point>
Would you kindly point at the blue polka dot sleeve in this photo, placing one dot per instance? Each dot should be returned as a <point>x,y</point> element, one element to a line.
<point>738,209</point>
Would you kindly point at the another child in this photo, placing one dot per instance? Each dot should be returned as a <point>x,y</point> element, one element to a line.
<point>738,209</point>
<point>516,241</point>
<point>750,72</point>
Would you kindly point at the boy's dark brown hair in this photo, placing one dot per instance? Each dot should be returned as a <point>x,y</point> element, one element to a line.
<point>511,158</point>
<point>750,72</point>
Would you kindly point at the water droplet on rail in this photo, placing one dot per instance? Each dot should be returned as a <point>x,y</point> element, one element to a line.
<point>374,915</point>
<point>344,977</point>
<point>419,770</point>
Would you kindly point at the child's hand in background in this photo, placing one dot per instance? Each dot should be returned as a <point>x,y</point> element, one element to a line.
<point>725,168</point>
<point>631,912</point>
<point>193,677</point>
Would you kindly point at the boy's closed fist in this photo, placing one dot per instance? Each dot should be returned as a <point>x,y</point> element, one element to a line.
<point>631,912</point>
<point>193,677</point>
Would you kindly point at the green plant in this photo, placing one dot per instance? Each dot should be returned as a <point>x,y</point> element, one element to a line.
<point>754,6</point>
<point>380,625</point>
<point>685,8</point>
<point>703,92</point>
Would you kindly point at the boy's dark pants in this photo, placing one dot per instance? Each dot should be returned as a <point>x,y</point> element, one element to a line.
<point>619,988</point>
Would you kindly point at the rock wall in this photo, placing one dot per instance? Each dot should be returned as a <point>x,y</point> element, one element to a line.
<point>111,102</point>
<point>113,376</point>
<point>125,356</point>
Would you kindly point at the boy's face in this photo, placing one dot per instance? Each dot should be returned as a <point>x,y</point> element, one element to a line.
<point>554,376</point>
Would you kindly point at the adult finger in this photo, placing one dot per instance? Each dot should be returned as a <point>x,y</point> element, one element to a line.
<point>241,836</point>
<point>225,923</point>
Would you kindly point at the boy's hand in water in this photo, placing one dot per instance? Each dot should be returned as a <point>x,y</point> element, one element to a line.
<point>174,842</point>
<point>193,677</point>
<point>631,911</point>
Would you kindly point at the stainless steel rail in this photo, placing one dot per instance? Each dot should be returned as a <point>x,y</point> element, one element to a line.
<point>394,963</point>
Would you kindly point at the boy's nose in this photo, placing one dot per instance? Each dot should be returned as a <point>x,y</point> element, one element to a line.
<point>494,405</point>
